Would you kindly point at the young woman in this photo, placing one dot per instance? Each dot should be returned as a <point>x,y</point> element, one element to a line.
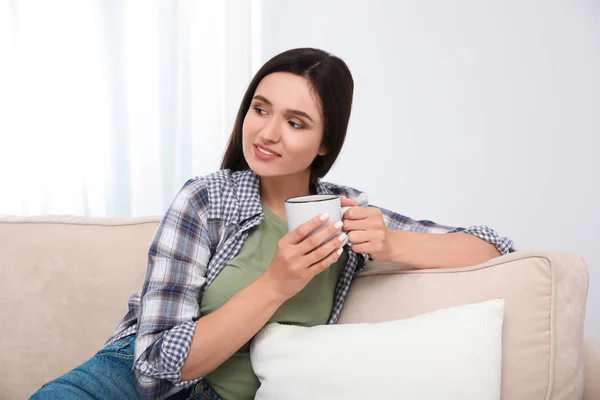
<point>222,263</point>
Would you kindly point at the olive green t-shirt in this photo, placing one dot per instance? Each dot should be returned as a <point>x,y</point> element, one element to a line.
<point>235,379</point>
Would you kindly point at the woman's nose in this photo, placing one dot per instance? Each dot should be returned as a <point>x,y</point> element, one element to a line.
<point>270,131</point>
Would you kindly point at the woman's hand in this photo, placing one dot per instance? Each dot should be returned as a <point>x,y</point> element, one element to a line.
<point>366,230</point>
<point>297,259</point>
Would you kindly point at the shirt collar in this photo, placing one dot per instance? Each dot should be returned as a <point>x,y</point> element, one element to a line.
<point>248,193</point>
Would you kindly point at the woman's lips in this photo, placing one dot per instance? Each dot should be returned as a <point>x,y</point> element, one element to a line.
<point>264,155</point>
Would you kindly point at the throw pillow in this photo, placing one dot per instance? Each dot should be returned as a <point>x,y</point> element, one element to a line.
<point>452,353</point>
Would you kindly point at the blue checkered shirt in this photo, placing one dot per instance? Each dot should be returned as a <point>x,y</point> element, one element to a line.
<point>204,228</point>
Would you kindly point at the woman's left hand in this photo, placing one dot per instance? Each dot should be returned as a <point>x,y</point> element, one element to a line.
<point>366,230</point>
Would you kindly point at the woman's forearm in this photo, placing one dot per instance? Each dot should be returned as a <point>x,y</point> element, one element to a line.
<point>221,333</point>
<point>450,250</point>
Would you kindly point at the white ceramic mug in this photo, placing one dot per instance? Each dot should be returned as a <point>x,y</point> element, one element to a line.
<point>299,210</point>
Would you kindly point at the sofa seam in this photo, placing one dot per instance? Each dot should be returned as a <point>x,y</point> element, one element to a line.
<point>456,270</point>
<point>81,223</point>
<point>551,361</point>
<point>116,355</point>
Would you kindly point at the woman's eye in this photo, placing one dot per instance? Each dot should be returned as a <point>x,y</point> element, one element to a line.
<point>259,111</point>
<point>295,125</point>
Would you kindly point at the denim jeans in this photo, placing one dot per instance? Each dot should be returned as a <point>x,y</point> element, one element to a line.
<point>108,375</point>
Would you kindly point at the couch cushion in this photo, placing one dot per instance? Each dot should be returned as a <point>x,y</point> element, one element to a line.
<point>544,294</point>
<point>65,284</point>
<point>386,360</point>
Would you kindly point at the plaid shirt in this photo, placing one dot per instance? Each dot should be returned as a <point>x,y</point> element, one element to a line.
<point>204,228</point>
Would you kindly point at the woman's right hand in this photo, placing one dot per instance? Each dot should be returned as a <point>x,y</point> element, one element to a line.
<point>297,259</point>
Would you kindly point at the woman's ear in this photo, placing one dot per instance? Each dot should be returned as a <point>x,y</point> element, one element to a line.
<point>322,151</point>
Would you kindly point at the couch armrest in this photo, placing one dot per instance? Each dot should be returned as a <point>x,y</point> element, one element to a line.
<point>591,355</point>
<point>545,295</point>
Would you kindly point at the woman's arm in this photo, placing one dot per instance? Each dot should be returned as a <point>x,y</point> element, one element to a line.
<point>221,333</point>
<point>425,244</point>
<point>390,237</point>
<point>426,250</point>
<point>176,272</point>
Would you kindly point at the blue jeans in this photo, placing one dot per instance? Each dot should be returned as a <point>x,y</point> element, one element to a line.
<point>108,375</point>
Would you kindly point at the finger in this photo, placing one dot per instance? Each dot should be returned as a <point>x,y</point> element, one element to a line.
<point>300,233</point>
<point>325,263</point>
<point>355,225</point>
<point>317,239</point>
<point>321,252</point>
<point>358,237</point>
<point>347,202</point>
<point>358,213</point>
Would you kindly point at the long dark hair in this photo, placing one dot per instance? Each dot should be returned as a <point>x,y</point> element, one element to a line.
<point>331,79</point>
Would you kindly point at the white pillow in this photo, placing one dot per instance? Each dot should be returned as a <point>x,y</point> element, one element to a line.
<point>453,353</point>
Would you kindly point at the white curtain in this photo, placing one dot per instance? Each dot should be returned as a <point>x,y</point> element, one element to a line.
<point>108,107</point>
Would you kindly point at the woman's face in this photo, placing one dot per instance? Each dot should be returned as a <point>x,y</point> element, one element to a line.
<point>283,129</point>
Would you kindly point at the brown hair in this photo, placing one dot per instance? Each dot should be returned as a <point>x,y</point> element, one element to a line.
<point>330,78</point>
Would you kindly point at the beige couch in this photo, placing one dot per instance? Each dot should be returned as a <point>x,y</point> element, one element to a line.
<point>66,281</point>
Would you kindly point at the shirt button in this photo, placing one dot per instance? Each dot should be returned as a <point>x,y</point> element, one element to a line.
<point>143,368</point>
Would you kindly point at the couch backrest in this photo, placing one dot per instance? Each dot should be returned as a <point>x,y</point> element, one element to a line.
<point>65,282</point>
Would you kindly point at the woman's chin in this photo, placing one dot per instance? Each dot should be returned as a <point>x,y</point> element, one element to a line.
<point>266,170</point>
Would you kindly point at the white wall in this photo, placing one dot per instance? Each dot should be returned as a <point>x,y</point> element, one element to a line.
<point>469,112</point>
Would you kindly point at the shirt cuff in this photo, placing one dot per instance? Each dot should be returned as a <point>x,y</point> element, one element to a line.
<point>172,352</point>
<point>502,243</point>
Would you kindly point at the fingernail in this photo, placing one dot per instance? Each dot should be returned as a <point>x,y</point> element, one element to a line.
<point>338,224</point>
<point>324,216</point>
<point>340,251</point>
<point>342,237</point>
